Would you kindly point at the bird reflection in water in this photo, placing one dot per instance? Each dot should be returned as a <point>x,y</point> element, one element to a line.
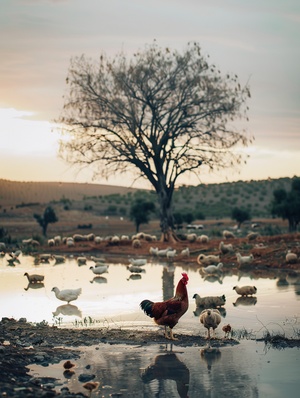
<point>199,309</point>
<point>67,309</point>
<point>34,286</point>
<point>168,367</point>
<point>134,277</point>
<point>99,279</point>
<point>214,278</point>
<point>210,355</point>
<point>245,300</point>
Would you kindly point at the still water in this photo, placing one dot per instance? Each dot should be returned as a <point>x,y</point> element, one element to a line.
<point>249,369</point>
<point>113,298</point>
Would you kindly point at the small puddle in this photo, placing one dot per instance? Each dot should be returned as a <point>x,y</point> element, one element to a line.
<point>249,369</point>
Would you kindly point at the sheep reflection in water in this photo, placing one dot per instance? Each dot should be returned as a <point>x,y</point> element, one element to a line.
<point>168,367</point>
<point>199,309</point>
<point>67,309</point>
<point>134,277</point>
<point>245,300</point>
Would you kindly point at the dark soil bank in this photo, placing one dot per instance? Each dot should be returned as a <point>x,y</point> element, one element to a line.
<point>22,343</point>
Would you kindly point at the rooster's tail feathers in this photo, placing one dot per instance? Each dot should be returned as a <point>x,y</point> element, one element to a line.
<point>146,306</point>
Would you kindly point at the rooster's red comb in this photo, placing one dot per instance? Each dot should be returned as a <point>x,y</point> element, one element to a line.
<point>185,275</point>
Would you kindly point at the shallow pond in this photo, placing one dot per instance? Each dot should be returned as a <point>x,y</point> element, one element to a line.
<point>244,371</point>
<point>112,299</point>
<point>249,369</point>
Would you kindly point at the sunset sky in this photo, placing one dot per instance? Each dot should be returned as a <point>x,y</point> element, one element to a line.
<point>257,40</point>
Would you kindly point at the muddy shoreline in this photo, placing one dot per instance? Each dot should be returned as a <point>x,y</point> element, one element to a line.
<point>23,343</point>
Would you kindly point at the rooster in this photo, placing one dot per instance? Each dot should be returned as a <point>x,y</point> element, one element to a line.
<point>167,313</point>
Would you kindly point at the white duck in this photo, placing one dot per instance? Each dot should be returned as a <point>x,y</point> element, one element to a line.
<point>99,269</point>
<point>212,269</point>
<point>67,294</point>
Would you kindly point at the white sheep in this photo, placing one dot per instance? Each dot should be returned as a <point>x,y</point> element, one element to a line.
<point>291,257</point>
<point>209,301</point>
<point>203,239</point>
<point>228,234</point>
<point>51,242</point>
<point>245,290</point>
<point>98,239</point>
<point>225,248</point>
<point>59,259</point>
<point>202,259</point>
<point>153,251</point>
<point>191,237</point>
<point>242,260</point>
<point>70,242</point>
<point>57,240</point>
<point>171,254</point>
<point>185,252</point>
<point>115,240</point>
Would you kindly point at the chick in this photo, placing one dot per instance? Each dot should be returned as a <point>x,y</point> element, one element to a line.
<point>226,329</point>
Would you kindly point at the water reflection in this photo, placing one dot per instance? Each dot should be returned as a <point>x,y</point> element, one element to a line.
<point>67,309</point>
<point>167,367</point>
<point>210,355</point>
<point>134,277</point>
<point>245,300</point>
<point>199,309</point>
<point>99,279</point>
<point>32,285</point>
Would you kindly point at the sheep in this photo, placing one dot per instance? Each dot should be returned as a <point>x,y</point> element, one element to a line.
<point>245,290</point>
<point>124,238</point>
<point>98,239</point>
<point>291,257</point>
<point>163,252</point>
<point>209,301</point>
<point>57,240</point>
<point>45,257</point>
<point>81,260</point>
<point>202,259</point>
<point>70,242</point>
<point>171,254</point>
<point>225,249</point>
<point>228,234</point>
<point>115,240</point>
<point>90,237</point>
<point>203,238</point>
<point>153,251</point>
<point>51,242</point>
<point>59,259</point>
<point>185,252</point>
<point>136,243</point>
<point>210,318</point>
<point>78,238</point>
<point>242,260</point>
<point>191,237</point>
<point>252,235</point>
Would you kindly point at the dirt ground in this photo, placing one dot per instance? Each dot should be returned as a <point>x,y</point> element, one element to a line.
<point>22,343</point>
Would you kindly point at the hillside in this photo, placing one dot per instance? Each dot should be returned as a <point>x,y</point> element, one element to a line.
<point>104,209</point>
<point>213,200</point>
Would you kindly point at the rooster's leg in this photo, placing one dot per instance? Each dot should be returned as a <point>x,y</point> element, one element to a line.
<point>172,336</point>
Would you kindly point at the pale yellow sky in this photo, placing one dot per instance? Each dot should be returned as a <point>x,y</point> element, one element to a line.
<point>256,40</point>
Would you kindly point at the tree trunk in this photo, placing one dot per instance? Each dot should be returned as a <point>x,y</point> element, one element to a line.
<point>166,214</point>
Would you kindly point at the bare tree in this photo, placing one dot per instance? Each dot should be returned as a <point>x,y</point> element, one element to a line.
<point>160,112</point>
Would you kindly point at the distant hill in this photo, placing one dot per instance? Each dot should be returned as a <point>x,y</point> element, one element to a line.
<point>212,200</point>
